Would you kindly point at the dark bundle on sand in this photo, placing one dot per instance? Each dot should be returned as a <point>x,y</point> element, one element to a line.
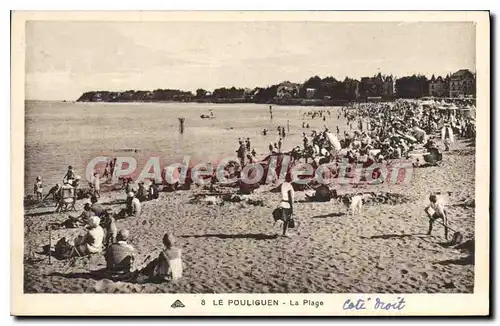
<point>322,194</point>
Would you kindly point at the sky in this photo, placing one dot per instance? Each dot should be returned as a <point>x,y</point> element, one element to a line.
<point>65,59</point>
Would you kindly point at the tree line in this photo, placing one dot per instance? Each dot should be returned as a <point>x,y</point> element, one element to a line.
<point>314,88</point>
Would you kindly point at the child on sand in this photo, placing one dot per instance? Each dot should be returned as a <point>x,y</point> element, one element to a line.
<point>169,265</point>
<point>38,188</point>
<point>438,212</point>
<point>96,185</point>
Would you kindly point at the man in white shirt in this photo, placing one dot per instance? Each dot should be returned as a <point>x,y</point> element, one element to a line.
<point>438,212</point>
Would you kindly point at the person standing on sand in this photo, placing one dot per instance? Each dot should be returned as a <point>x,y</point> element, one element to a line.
<point>108,224</point>
<point>279,145</point>
<point>248,146</point>
<point>153,191</point>
<point>70,175</point>
<point>107,170</point>
<point>96,185</point>
<point>286,204</point>
<point>38,188</point>
<point>438,212</point>
<point>241,153</point>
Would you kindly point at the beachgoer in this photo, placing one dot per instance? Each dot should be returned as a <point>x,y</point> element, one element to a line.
<point>286,204</point>
<point>86,214</point>
<point>92,241</point>
<point>248,145</point>
<point>76,182</point>
<point>66,196</point>
<point>447,145</point>
<point>241,153</point>
<point>120,257</point>
<point>438,212</point>
<point>107,170</point>
<point>141,192</point>
<point>54,191</point>
<point>133,205</point>
<point>95,207</point>
<point>169,265</point>
<point>96,185</point>
<point>38,188</point>
<point>279,145</point>
<point>70,175</point>
<point>153,191</point>
<point>108,224</point>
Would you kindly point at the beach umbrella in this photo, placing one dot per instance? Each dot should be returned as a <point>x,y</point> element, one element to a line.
<point>334,141</point>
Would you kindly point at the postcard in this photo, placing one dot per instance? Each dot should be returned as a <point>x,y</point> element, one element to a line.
<point>250,163</point>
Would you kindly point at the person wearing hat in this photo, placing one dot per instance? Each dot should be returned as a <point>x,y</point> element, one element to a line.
<point>38,188</point>
<point>91,243</point>
<point>133,205</point>
<point>120,256</point>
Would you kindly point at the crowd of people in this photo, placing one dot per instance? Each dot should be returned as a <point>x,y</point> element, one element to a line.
<point>385,131</point>
<point>101,230</point>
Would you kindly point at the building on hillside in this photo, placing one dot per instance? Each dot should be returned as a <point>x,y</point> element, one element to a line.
<point>388,87</point>
<point>462,84</point>
<point>351,88</point>
<point>438,87</point>
<point>310,92</point>
<point>377,86</point>
<point>287,90</point>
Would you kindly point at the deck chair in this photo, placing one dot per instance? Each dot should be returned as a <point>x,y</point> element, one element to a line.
<point>67,200</point>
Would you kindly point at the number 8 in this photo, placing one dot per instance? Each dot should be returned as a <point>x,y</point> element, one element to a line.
<point>202,302</point>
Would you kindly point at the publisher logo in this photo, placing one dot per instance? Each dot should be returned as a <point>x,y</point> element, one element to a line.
<point>177,304</point>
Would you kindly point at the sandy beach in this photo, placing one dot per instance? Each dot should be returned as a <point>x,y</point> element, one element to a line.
<point>234,247</point>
